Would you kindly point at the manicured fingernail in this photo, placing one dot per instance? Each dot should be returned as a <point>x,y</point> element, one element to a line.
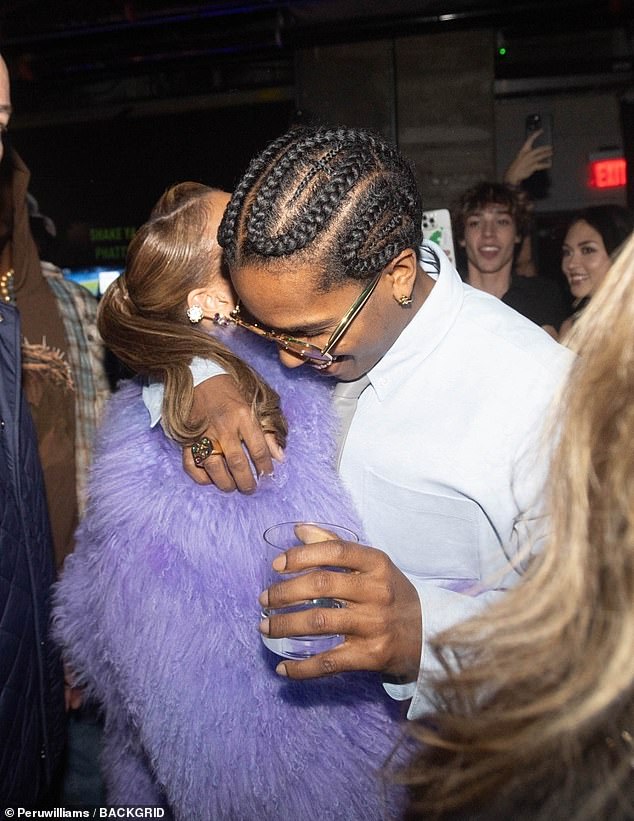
<point>281,670</point>
<point>265,626</point>
<point>264,598</point>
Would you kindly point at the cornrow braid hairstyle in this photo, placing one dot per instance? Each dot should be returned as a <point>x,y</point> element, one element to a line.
<point>345,198</point>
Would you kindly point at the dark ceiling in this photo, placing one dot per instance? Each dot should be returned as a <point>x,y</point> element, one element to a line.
<point>62,51</point>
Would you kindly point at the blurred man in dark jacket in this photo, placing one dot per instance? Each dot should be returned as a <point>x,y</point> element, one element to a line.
<point>64,382</point>
<point>31,681</point>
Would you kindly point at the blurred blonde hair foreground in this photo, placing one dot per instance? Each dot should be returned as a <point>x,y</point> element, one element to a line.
<point>535,711</point>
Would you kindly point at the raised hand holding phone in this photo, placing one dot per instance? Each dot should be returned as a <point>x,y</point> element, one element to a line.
<point>536,153</point>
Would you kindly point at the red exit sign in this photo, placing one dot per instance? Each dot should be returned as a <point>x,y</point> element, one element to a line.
<point>608,173</point>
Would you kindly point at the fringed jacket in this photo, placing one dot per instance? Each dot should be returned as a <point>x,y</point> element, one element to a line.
<point>158,614</point>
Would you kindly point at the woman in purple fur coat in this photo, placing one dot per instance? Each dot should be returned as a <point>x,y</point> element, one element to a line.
<point>158,608</point>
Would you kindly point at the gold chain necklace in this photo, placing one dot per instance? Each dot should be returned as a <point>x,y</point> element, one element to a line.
<point>6,287</point>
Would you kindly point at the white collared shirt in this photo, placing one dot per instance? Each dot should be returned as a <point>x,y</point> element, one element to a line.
<point>443,452</point>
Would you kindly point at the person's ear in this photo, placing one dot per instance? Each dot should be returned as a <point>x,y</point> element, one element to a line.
<point>462,243</point>
<point>401,272</point>
<point>214,300</point>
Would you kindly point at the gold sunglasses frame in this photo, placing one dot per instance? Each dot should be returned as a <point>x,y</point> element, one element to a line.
<point>321,357</point>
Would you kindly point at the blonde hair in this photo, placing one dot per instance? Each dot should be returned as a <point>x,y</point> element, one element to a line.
<point>142,316</point>
<point>535,709</point>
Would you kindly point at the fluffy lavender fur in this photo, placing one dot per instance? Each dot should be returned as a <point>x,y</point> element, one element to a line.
<point>158,613</point>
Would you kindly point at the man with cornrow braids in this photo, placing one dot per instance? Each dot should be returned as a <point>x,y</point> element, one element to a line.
<point>441,457</point>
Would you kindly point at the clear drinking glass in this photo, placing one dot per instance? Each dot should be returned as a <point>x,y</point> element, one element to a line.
<point>281,537</point>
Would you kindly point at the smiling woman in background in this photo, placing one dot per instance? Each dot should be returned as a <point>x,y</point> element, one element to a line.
<point>593,237</point>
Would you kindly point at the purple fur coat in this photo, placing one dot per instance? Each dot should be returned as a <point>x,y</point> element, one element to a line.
<point>157,612</point>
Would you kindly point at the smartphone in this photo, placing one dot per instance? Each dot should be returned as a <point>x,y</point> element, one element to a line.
<point>437,228</point>
<point>537,121</point>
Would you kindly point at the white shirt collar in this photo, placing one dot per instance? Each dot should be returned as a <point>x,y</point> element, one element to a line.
<point>437,314</point>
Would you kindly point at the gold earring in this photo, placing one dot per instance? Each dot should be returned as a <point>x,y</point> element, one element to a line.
<point>195,314</point>
<point>404,301</point>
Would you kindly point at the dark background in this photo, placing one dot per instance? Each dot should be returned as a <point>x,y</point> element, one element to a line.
<point>117,99</point>
<point>95,175</point>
